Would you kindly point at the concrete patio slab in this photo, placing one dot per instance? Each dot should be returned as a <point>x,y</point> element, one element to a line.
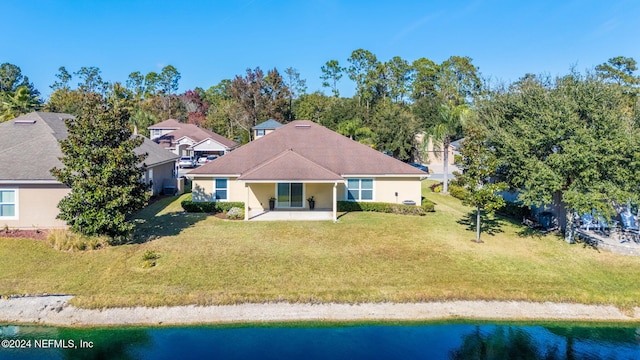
<point>318,214</point>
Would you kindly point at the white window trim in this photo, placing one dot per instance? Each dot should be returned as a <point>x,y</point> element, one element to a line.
<point>373,189</point>
<point>16,201</point>
<point>213,194</point>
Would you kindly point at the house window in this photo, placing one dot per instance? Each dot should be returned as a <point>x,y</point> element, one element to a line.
<point>360,189</point>
<point>8,204</point>
<point>156,133</point>
<point>259,132</point>
<point>220,189</point>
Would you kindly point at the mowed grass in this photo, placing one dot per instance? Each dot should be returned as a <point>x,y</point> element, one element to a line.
<point>365,257</point>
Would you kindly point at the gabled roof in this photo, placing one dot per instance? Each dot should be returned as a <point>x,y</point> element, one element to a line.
<point>167,124</point>
<point>193,132</point>
<point>316,145</point>
<point>156,154</point>
<point>30,147</point>
<point>268,125</point>
<point>292,166</point>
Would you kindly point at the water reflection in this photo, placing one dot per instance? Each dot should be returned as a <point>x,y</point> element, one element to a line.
<point>432,341</point>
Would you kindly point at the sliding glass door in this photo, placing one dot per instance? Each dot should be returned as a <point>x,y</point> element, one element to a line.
<point>290,195</point>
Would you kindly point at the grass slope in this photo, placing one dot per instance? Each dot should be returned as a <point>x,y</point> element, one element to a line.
<point>366,257</point>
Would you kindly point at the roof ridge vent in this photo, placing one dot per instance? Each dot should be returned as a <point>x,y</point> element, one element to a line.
<point>24,122</point>
<point>303,126</point>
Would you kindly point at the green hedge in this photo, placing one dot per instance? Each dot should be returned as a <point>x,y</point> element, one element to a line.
<point>514,211</point>
<point>209,206</point>
<point>427,206</point>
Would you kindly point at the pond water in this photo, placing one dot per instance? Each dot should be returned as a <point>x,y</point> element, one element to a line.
<point>318,341</point>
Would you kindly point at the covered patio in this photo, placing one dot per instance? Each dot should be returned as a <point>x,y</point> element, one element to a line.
<point>286,185</point>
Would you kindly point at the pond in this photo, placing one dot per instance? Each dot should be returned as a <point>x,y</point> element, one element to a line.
<point>321,341</point>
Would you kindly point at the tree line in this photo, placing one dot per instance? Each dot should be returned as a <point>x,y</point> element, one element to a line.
<point>572,139</point>
<point>393,100</point>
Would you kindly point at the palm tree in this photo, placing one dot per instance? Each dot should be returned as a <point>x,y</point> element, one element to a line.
<point>448,124</point>
<point>19,103</point>
<point>355,130</point>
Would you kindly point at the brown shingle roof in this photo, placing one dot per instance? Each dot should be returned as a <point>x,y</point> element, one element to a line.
<point>193,132</point>
<point>315,143</point>
<point>167,124</point>
<point>291,166</point>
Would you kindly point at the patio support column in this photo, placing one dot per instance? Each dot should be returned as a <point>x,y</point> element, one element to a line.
<point>246,202</point>
<point>335,202</point>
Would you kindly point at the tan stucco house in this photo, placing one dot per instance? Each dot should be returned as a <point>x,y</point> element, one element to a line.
<point>29,194</point>
<point>189,140</point>
<point>265,128</point>
<point>303,159</point>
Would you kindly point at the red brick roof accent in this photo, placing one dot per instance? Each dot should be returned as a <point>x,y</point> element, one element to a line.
<point>317,144</point>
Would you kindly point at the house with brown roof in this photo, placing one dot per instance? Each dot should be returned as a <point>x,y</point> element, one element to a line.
<point>189,140</point>
<point>301,160</point>
<point>29,194</point>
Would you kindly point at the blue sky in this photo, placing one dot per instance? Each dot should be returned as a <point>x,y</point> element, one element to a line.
<point>208,41</point>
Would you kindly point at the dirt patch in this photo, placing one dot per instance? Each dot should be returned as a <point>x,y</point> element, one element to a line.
<point>30,234</point>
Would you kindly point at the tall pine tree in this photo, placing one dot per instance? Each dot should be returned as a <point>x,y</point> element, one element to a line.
<point>102,170</point>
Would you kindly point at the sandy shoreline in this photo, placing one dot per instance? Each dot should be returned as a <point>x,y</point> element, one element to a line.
<point>55,310</point>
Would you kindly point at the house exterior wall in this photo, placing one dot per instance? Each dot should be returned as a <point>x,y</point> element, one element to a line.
<point>266,132</point>
<point>259,193</point>
<point>407,189</point>
<point>202,189</point>
<point>37,206</point>
<point>156,133</point>
<point>432,156</point>
<point>210,146</point>
<point>162,176</point>
<point>322,194</point>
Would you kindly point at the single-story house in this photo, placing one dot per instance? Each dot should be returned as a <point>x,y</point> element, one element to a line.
<point>264,128</point>
<point>189,140</point>
<point>29,194</point>
<point>301,160</point>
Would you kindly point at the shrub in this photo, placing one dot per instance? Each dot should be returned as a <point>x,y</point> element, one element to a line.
<point>514,211</point>
<point>386,207</point>
<point>149,258</point>
<point>457,192</point>
<point>209,206</point>
<point>66,240</point>
<point>428,205</point>
<point>437,187</point>
<point>235,213</point>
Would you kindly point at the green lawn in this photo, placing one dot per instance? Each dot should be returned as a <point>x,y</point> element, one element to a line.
<point>366,257</point>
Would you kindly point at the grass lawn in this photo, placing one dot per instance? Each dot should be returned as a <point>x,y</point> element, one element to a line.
<point>366,257</point>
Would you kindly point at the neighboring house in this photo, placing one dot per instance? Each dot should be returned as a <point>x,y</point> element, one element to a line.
<point>300,160</point>
<point>160,166</point>
<point>29,194</point>
<point>189,140</point>
<point>434,154</point>
<point>264,128</point>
